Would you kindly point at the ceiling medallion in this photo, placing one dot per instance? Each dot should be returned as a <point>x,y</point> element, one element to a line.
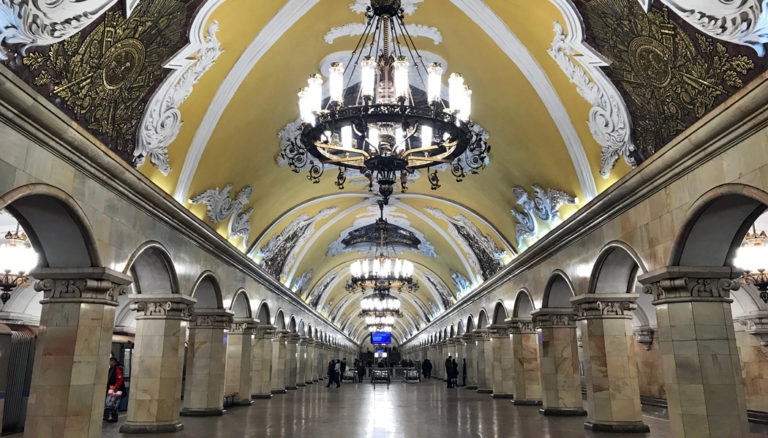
<point>382,273</point>
<point>380,125</point>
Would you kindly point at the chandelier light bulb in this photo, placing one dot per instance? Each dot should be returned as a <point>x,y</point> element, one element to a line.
<point>315,92</point>
<point>364,270</point>
<point>367,76</point>
<point>752,258</point>
<point>426,136</point>
<point>305,109</point>
<point>434,81</point>
<point>401,77</point>
<point>456,92</point>
<point>17,257</point>
<point>373,136</point>
<point>466,105</point>
<point>336,82</point>
<point>346,137</point>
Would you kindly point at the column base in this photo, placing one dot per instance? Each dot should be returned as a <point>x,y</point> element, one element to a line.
<point>526,402</point>
<point>497,395</point>
<point>243,402</point>
<point>141,427</point>
<point>471,387</point>
<point>620,427</point>
<point>279,391</point>
<point>301,385</point>
<point>559,412</point>
<point>291,388</point>
<point>260,396</point>
<point>212,412</point>
<point>308,382</point>
<point>316,380</point>
<point>485,391</point>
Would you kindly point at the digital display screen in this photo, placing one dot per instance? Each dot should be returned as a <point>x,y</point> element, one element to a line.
<point>381,338</point>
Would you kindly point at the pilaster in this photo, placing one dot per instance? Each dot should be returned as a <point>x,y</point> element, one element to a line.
<point>525,362</point>
<point>484,362</point>
<point>261,361</point>
<point>238,371</point>
<point>470,348</point>
<point>501,355</point>
<point>278,362</point>
<point>291,360</point>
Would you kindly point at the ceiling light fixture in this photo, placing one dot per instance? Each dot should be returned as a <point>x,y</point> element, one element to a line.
<point>752,258</point>
<point>380,125</point>
<point>17,258</point>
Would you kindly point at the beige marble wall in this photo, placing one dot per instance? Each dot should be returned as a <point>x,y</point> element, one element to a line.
<point>301,363</point>
<point>310,366</point>
<point>503,367</point>
<point>484,361</point>
<point>291,361</point>
<point>158,358</point>
<point>69,374</point>
<point>650,373</point>
<point>238,378</point>
<point>525,361</point>
<point>261,362</point>
<point>470,355</point>
<point>278,362</point>
<point>206,356</point>
<point>558,356</point>
<point>754,369</point>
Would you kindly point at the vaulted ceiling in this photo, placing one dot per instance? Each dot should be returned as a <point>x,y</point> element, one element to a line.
<point>558,119</point>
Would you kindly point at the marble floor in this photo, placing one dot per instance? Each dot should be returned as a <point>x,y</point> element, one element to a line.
<point>422,410</point>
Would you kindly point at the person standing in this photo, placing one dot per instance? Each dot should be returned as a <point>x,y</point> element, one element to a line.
<point>115,390</point>
<point>454,373</point>
<point>464,372</point>
<point>332,375</point>
<point>448,371</point>
<point>360,371</point>
<point>343,367</point>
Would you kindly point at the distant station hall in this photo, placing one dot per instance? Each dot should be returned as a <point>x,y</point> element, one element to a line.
<point>384,218</point>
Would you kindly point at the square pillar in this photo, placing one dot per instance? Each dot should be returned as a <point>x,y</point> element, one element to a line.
<point>237,378</point>
<point>469,348</point>
<point>526,385</point>
<point>69,375</point>
<point>484,355</point>
<point>702,370</point>
<point>158,358</point>
<point>613,390</point>
<point>291,360</point>
<point>301,362</point>
<point>261,362</point>
<point>501,355</point>
<point>559,359</point>
<point>309,367</point>
<point>278,362</point>
<point>206,353</point>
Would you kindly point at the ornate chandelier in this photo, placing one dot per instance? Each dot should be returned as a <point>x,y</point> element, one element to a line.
<point>17,258</point>
<point>380,304</point>
<point>752,258</point>
<point>381,273</point>
<point>380,125</point>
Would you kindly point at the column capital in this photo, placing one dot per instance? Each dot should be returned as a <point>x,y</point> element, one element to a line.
<point>81,285</point>
<point>555,317</point>
<point>644,336</point>
<point>498,330</point>
<point>292,338</point>
<point>519,326</point>
<point>210,319</point>
<point>304,340</point>
<point>166,306</point>
<point>482,335</point>
<point>677,284</point>
<point>264,331</point>
<point>469,337</point>
<point>604,306</point>
<point>756,324</point>
<point>280,335</point>
<point>243,326</point>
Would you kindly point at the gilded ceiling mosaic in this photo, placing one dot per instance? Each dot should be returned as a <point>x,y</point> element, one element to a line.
<point>669,74</point>
<point>104,75</point>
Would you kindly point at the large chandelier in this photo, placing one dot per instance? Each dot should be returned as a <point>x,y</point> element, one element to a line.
<point>380,304</point>
<point>381,273</point>
<point>17,258</point>
<point>381,126</point>
<point>752,258</point>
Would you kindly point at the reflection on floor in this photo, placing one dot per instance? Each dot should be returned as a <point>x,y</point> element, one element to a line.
<point>423,410</point>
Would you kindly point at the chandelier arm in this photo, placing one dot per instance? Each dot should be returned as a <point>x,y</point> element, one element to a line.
<point>408,44</point>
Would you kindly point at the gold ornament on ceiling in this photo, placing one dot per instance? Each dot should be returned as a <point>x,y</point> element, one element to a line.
<point>104,76</point>
<point>670,76</point>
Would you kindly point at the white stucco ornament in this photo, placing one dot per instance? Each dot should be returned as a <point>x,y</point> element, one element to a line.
<point>220,207</point>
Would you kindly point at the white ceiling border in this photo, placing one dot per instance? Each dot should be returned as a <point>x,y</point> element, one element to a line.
<point>508,42</point>
<point>285,18</point>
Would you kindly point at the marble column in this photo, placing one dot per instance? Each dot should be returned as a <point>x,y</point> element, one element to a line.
<point>483,339</point>
<point>702,371</point>
<point>69,375</point>
<point>752,340</point>
<point>158,359</point>
<point>310,374</point>
<point>501,353</point>
<point>610,362</point>
<point>239,352</point>
<point>6,335</point>
<point>559,359</point>
<point>470,349</point>
<point>291,360</point>
<point>261,361</point>
<point>206,353</point>
<point>525,362</point>
<point>322,364</point>
<point>301,361</point>
<point>278,362</point>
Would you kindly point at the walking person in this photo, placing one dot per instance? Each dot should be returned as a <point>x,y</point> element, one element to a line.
<point>464,372</point>
<point>360,371</point>
<point>454,373</point>
<point>115,390</point>
<point>448,371</point>
<point>332,375</point>
<point>343,367</point>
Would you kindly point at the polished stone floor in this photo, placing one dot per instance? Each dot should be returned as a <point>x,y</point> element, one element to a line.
<point>422,410</point>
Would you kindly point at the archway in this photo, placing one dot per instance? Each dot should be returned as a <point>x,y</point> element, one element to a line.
<point>523,305</point>
<point>526,380</point>
<point>241,305</point>
<point>499,313</point>
<point>558,292</point>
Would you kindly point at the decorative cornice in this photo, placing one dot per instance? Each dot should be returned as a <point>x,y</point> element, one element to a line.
<point>210,319</point>
<point>756,324</point>
<point>243,326</point>
<point>543,204</point>
<point>498,330</point>
<point>87,285</point>
<point>162,120</point>
<point>166,306</point>
<point>609,120</point>
<point>604,306</point>
<point>264,331</point>
<point>677,284</point>
<point>521,326</point>
<point>644,336</point>
<point>554,318</point>
<point>742,22</point>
